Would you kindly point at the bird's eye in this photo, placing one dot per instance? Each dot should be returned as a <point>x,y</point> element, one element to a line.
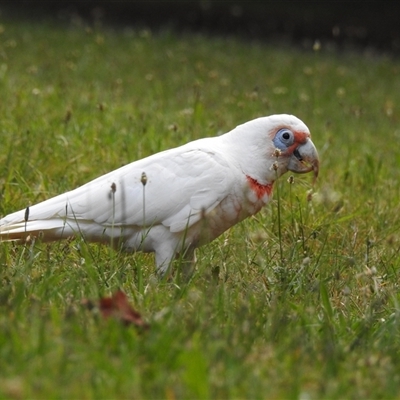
<point>283,139</point>
<point>285,135</point>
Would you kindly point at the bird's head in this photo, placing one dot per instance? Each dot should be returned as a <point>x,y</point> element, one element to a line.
<point>270,146</point>
<point>293,148</point>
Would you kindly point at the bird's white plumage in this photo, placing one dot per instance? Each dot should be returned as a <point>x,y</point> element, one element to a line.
<point>192,194</point>
<point>172,193</point>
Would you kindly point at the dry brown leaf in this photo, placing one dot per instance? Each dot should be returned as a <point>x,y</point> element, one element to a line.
<point>118,307</point>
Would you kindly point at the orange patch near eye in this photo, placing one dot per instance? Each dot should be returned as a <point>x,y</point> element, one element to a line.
<point>300,137</point>
<point>259,189</point>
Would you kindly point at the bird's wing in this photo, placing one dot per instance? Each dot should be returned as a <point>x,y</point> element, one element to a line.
<point>182,185</point>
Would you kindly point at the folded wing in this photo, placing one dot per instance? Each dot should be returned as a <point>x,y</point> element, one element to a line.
<point>182,185</point>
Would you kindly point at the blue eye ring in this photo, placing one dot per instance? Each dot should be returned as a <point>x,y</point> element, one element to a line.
<point>283,139</point>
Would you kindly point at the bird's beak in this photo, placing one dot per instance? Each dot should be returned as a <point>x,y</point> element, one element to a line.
<point>305,159</point>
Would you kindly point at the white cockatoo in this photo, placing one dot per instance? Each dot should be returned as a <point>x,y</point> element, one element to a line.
<point>176,200</point>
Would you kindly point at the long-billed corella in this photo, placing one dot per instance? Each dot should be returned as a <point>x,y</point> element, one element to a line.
<point>176,200</point>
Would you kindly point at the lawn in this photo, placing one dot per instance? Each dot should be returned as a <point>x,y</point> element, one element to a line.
<point>300,301</point>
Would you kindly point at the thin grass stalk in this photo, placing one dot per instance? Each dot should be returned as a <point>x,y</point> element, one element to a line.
<point>26,217</point>
<point>113,190</point>
<point>143,180</point>
<point>275,167</point>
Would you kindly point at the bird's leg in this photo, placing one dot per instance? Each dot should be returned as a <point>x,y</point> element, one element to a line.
<point>184,261</point>
<point>164,264</point>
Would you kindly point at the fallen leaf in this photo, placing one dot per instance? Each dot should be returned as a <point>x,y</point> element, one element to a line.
<point>118,307</point>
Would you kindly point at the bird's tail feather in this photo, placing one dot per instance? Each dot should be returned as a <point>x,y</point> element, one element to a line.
<point>51,230</point>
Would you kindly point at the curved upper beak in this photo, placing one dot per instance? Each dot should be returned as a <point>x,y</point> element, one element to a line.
<point>305,159</point>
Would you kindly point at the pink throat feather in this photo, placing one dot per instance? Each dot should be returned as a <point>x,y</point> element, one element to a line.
<point>259,189</point>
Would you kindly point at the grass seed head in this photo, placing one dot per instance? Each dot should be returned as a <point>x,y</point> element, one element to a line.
<point>277,152</point>
<point>26,217</point>
<point>67,116</point>
<point>143,178</point>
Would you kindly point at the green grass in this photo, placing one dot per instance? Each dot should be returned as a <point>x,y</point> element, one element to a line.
<point>301,303</point>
